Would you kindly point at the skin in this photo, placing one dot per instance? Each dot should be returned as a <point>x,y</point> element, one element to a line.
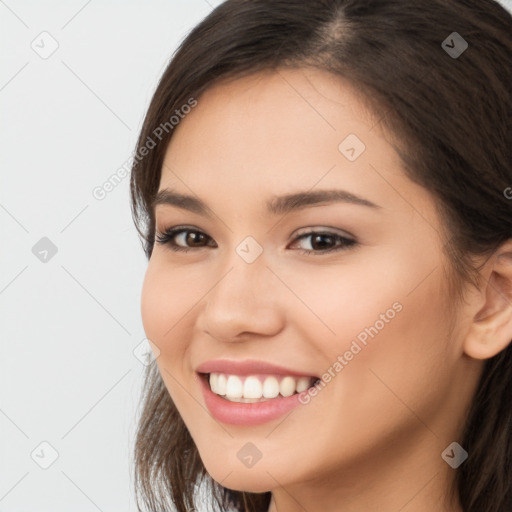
<point>372,438</point>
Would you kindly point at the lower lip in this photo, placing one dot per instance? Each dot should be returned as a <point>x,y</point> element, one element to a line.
<point>246,414</point>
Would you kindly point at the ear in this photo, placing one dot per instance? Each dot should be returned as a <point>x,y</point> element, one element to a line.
<point>491,328</point>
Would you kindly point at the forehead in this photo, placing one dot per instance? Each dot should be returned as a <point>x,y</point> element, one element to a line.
<point>287,120</point>
<point>276,98</point>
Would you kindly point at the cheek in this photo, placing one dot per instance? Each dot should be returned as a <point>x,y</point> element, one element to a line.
<point>359,301</point>
<point>152,306</point>
<point>406,360</point>
<point>165,302</point>
<point>166,316</point>
<point>386,320</point>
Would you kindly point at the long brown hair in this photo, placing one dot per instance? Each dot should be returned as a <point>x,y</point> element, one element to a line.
<point>452,118</point>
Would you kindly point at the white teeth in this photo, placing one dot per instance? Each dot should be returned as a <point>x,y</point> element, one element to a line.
<point>221,384</point>
<point>287,386</point>
<point>303,383</point>
<point>234,388</point>
<point>214,379</point>
<point>257,388</point>
<point>270,387</point>
<point>252,388</point>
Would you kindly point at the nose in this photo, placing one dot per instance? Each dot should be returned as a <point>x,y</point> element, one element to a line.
<point>242,304</point>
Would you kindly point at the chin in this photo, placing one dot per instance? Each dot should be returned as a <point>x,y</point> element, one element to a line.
<point>246,479</point>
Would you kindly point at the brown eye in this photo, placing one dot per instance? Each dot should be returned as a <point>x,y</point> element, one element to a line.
<point>324,242</point>
<point>194,237</point>
<point>182,239</point>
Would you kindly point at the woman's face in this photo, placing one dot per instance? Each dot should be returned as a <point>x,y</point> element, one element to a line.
<point>365,310</point>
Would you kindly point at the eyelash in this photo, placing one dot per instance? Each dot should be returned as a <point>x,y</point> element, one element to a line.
<point>167,238</point>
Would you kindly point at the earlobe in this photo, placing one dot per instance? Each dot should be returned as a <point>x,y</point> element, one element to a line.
<point>491,328</point>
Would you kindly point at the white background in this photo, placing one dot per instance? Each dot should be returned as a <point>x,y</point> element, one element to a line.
<point>69,326</point>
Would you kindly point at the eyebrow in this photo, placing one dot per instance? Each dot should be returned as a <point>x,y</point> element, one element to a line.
<point>278,205</point>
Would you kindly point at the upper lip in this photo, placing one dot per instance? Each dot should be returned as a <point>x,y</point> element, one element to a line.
<point>247,367</point>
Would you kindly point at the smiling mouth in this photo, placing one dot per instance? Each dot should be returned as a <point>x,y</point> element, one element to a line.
<point>256,388</point>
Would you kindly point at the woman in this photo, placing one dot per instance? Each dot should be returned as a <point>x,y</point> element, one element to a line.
<point>321,188</point>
